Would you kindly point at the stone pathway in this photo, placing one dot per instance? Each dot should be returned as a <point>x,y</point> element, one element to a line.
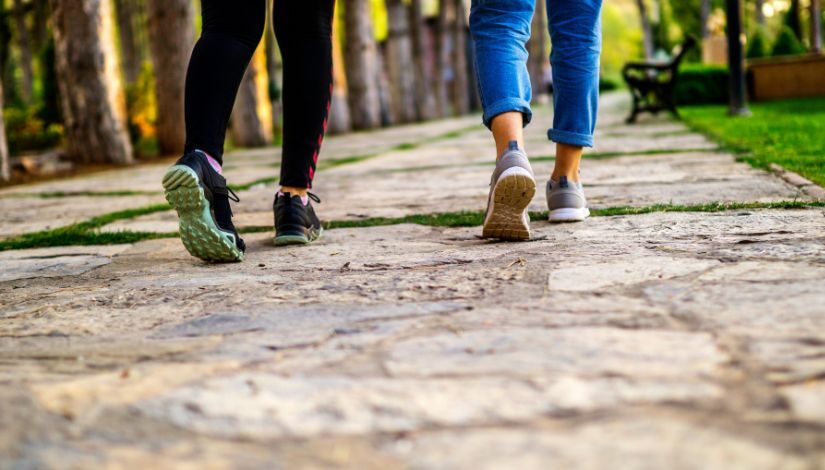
<point>661,340</point>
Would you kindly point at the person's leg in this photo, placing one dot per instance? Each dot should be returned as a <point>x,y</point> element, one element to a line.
<point>500,30</point>
<point>231,33</point>
<point>194,186</point>
<point>575,32</point>
<point>304,32</point>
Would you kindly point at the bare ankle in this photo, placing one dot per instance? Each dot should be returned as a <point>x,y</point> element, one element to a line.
<point>571,175</point>
<point>294,191</point>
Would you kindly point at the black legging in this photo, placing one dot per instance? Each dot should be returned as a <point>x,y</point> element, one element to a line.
<point>231,33</point>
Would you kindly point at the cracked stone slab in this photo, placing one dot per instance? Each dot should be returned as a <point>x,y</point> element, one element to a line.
<point>650,442</point>
<point>55,262</point>
<point>148,177</point>
<point>263,406</point>
<point>806,401</point>
<point>677,340</point>
<point>24,215</point>
<point>596,351</point>
<point>677,178</point>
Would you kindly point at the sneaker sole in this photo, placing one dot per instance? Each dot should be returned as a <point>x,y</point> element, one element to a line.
<point>569,215</point>
<point>512,194</point>
<point>198,231</point>
<point>297,239</point>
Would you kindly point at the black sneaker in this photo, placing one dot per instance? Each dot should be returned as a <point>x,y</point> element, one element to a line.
<point>201,197</point>
<point>295,223</point>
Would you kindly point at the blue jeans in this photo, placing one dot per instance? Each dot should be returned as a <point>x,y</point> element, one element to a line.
<point>501,29</point>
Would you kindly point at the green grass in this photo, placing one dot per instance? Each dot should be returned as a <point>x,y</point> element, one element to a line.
<point>87,233</point>
<point>790,133</point>
<point>632,153</point>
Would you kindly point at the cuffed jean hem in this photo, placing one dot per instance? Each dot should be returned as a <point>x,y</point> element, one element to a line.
<point>570,138</point>
<point>505,106</point>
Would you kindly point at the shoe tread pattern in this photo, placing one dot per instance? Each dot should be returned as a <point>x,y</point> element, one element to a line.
<point>198,231</point>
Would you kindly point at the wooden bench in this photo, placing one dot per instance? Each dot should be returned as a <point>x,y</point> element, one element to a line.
<point>653,84</point>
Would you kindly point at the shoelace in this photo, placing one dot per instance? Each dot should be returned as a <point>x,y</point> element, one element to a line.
<point>231,195</point>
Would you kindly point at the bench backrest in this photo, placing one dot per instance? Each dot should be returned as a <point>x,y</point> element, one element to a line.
<point>681,50</point>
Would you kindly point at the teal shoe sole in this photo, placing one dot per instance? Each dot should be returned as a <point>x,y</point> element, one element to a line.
<point>198,231</point>
<point>297,239</point>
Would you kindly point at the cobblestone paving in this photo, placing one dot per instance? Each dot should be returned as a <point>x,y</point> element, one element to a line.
<point>661,340</point>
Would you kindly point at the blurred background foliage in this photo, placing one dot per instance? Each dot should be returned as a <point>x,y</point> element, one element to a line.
<point>32,103</point>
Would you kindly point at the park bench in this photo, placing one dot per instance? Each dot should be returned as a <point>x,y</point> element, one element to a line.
<point>653,83</point>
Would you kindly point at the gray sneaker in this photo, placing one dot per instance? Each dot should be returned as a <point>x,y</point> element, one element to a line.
<point>566,201</point>
<point>512,187</point>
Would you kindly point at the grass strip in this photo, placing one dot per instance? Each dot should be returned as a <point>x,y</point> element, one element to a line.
<point>632,153</point>
<point>85,233</point>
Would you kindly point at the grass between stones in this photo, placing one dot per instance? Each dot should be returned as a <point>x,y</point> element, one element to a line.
<point>329,164</point>
<point>633,153</point>
<point>87,233</point>
<point>790,133</point>
<point>550,158</point>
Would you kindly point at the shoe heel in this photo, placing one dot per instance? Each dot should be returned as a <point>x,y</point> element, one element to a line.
<point>198,231</point>
<point>512,194</point>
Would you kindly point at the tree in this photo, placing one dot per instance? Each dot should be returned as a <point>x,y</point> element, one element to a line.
<point>791,19</point>
<point>339,115</point>
<point>442,58</point>
<point>171,38</point>
<point>647,31</point>
<point>460,89</point>
<point>40,33</point>
<point>362,66</point>
<point>661,30</point>
<point>400,63</point>
<point>251,122</point>
<point>816,25</point>
<point>704,16</point>
<point>273,66</point>
<point>759,44</point>
<point>787,43</point>
<point>21,31</point>
<point>5,170</point>
<point>129,16</point>
<point>760,14</point>
<point>537,47</point>
<point>91,102</point>
<point>424,99</point>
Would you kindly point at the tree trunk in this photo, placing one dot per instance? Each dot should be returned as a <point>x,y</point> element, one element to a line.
<point>460,90</point>
<point>400,63</point>
<point>760,15</point>
<point>171,38</point>
<point>91,100</point>
<point>251,121</point>
<point>21,29</point>
<point>362,66</point>
<point>647,31</point>
<point>273,68</point>
<point>816,26</point>
<point>704,16</point>
<point>424,99</point>
<point>5,168</point>
<point>442,58</point>
<point>792,19</point>
<point>339,116</point>
<point>537,48</point>
<point>126,11</point>
<point>40,33</point>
